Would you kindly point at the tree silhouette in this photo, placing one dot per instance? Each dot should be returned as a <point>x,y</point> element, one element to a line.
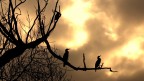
<point>34,65</point>
<point>13,45</point>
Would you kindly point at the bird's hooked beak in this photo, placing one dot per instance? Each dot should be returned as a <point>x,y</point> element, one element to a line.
<point>99,56</point>
<point>67,49</point>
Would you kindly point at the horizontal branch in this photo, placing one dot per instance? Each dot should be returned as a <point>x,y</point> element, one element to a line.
<point>84,69</point>
<point>69,64</point>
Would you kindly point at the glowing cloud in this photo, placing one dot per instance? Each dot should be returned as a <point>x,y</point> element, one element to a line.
<point>76,15</point>
<point>132,49</point>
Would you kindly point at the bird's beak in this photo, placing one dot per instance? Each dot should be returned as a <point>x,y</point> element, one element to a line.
<point>68,48</point>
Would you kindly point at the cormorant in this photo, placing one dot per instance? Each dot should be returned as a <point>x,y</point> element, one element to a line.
<point>97,64</point>
<point>65,56</point>
<point>57,16</point>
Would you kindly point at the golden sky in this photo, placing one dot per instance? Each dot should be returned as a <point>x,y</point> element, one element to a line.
<point>110,28</point>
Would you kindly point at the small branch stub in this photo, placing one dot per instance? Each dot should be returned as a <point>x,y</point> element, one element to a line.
<point>84,62</point>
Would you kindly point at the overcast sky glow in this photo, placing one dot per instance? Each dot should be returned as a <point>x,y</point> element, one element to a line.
<point>110,28</point>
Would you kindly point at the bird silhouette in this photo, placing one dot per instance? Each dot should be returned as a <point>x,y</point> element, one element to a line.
<point>57,16</point>
<point>97,64</point>
<point>65,56</point>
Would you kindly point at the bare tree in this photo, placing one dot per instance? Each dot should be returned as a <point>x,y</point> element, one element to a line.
<point>34,65</point>
<point>10,25</point>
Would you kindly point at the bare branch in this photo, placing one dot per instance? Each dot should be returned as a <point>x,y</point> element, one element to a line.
<point>84,61</point>
<point>4,46</point>
<point>15,21</point>
<point>38,15</point>
<point>11,32</point>
<point>49,28</point>
<point>69,64</point>
<point>21,2</point>
<point>5,33</point>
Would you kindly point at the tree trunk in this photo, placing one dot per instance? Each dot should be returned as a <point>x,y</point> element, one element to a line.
<point>11,54</point>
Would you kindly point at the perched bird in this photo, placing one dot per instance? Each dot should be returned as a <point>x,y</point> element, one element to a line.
<point>97,64</point>
<point>57,16</point>
<point>65,56</point>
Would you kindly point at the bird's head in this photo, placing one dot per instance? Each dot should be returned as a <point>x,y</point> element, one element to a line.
<point>67,49</point>
<point>98,57</point>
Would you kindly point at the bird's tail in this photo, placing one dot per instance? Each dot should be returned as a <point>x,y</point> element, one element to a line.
<point>95,69</point>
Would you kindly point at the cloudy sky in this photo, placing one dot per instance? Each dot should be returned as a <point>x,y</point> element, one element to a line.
<point>110,28</point>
